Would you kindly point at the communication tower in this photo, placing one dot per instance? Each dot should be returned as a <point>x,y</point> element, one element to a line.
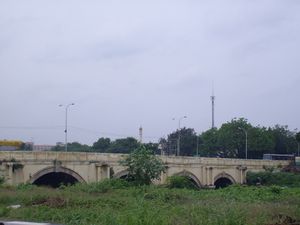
<point>141,134</point>
<point>212,97</point>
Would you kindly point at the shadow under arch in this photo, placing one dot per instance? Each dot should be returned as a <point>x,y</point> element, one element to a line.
<point>121,175</point>
<point>191,177</point>
<point>223,180</point>
<point>55,176</point>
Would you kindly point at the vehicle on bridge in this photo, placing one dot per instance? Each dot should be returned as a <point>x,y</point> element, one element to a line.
<point>279,157</point>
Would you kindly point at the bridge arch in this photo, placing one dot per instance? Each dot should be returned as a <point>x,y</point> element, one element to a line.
<point>223,180</point>
<point>121,175</point>
<point>55,176</point>
<point>191,177</point>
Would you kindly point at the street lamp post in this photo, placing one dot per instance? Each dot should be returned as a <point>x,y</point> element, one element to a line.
<point>178,140</point>
<point>66,124</point>
<point>197,145</point>
<point>246,142</point>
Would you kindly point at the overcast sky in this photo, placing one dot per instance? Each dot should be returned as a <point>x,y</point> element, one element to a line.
<point>131,63</point>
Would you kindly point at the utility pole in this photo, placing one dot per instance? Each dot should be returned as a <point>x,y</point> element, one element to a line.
<point>246,141</point>
<point>178,143</point>
<point>66,124</point>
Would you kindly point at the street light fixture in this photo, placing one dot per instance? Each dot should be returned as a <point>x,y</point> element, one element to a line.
<point>66,124</point>
<point>246,142</point>
<point>178,140</point>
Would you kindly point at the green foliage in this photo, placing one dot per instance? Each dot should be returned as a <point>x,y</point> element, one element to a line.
<point>73,147</point>
<point>153,147</point>
<point>180,182</point>
<point>188,142</point>
<point>100,187</point>
<point>269,168</point>
<point>26,187</point>
<point>102,145</point>
<point>229,140</point>
<point>143,166</point>
<point>123,145</point>
<point>276,178</point>
<point>285,141</point>
<point>298,137</point>
<point>2,180</point>
<point>209,145</point>
<point>152,205</point>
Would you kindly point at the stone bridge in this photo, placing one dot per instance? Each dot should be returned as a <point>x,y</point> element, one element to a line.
<point>54,168</point>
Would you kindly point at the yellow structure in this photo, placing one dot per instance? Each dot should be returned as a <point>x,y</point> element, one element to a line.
<point>14,143</point>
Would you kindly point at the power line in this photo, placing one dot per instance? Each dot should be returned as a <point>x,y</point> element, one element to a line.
<point>100,133</point>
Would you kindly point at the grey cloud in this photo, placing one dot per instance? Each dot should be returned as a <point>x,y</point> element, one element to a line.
<point>130,63</point>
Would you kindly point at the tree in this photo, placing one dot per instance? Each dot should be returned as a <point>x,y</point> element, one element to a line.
<point>285,141</point>
<point>143,166</point>
<point>231,138</point>
<point>209,143</point>
<point>298,137</point>
<point>298,141</point>
<point>102,145</point>
<point>73,147</point>
<point>123,145</point>
<point>153,147</point>
<point>260,141</point>
<point>188,142</point>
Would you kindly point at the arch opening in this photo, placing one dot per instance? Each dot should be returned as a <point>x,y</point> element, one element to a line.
<point>194,181</point>
<point>123,177</point>
<point>55,179</point>
<point>222,182</point>
<point>56,176</point>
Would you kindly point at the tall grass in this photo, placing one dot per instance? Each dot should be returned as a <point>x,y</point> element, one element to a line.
<point>117,202</point>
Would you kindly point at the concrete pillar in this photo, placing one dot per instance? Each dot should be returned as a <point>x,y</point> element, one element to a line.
<point>206,177</point>
<point>10,173</point>
<point>210,176</point>
<point>242,174</point>
<point>244,168</point>
<point>98,173</point>
<point>164,176</point>
<point>107,172</point>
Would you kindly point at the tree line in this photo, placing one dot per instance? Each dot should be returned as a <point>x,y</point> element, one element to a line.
<point>228,141</point>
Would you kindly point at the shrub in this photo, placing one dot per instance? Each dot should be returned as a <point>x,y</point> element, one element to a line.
<point>269,178</point>
<point>2,180</point>
<point>25,187</point>
<point>101,187</point>
<point>143,166</point>
<point>180,182</point>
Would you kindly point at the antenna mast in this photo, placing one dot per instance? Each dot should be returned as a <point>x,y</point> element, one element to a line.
<point>141,134</point>
<point>212,97</point>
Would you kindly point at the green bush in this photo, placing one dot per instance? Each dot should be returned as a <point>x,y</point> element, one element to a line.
<point>271,178</point>
<point>26,186</point>
<point>101,187</point>
<point>143,166</point>
<point>2,180</point>
<point>180,182</point>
